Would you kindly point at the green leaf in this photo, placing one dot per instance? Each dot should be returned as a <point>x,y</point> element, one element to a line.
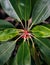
<point>41,31</point>
<point>32,3</point>
<point>4,24</point>
<point>41,11</point>
<point>8,8</point>
<point>8,34</point>
<point>22,8</point>
<point>23,56</point>
<point>6,49</point>
<point>44,46</point>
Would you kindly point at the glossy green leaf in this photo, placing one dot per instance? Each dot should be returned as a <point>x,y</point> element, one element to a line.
<point>23,56</point>
<point>8,34</point>
<point>41,11</point>
<point>4,24</point>
<point>6,49</point>
<point>22,8</point>
<point>44,46</point>
<point>41,31</point>
<point>8,8</point>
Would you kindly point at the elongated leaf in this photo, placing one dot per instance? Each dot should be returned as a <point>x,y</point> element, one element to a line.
<point>22,7</point>
<point>23,56</point>
<point>41,11</point>
<point>6,49</point>
<point>8,8</point>
<point>44,46</point>
<point>4,24</point>
<point>32,3</point>
<point>8,34</point>
<point>41,31</point>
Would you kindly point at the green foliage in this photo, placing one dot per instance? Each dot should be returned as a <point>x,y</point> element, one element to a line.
<point>4,24</point>
<point>36,44</point>
<point>6,49</point>
<point>22,57</point>
<point>41,11</point>
<point>41,31</point>
<point>44,46</point>
<point>8,34</point>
